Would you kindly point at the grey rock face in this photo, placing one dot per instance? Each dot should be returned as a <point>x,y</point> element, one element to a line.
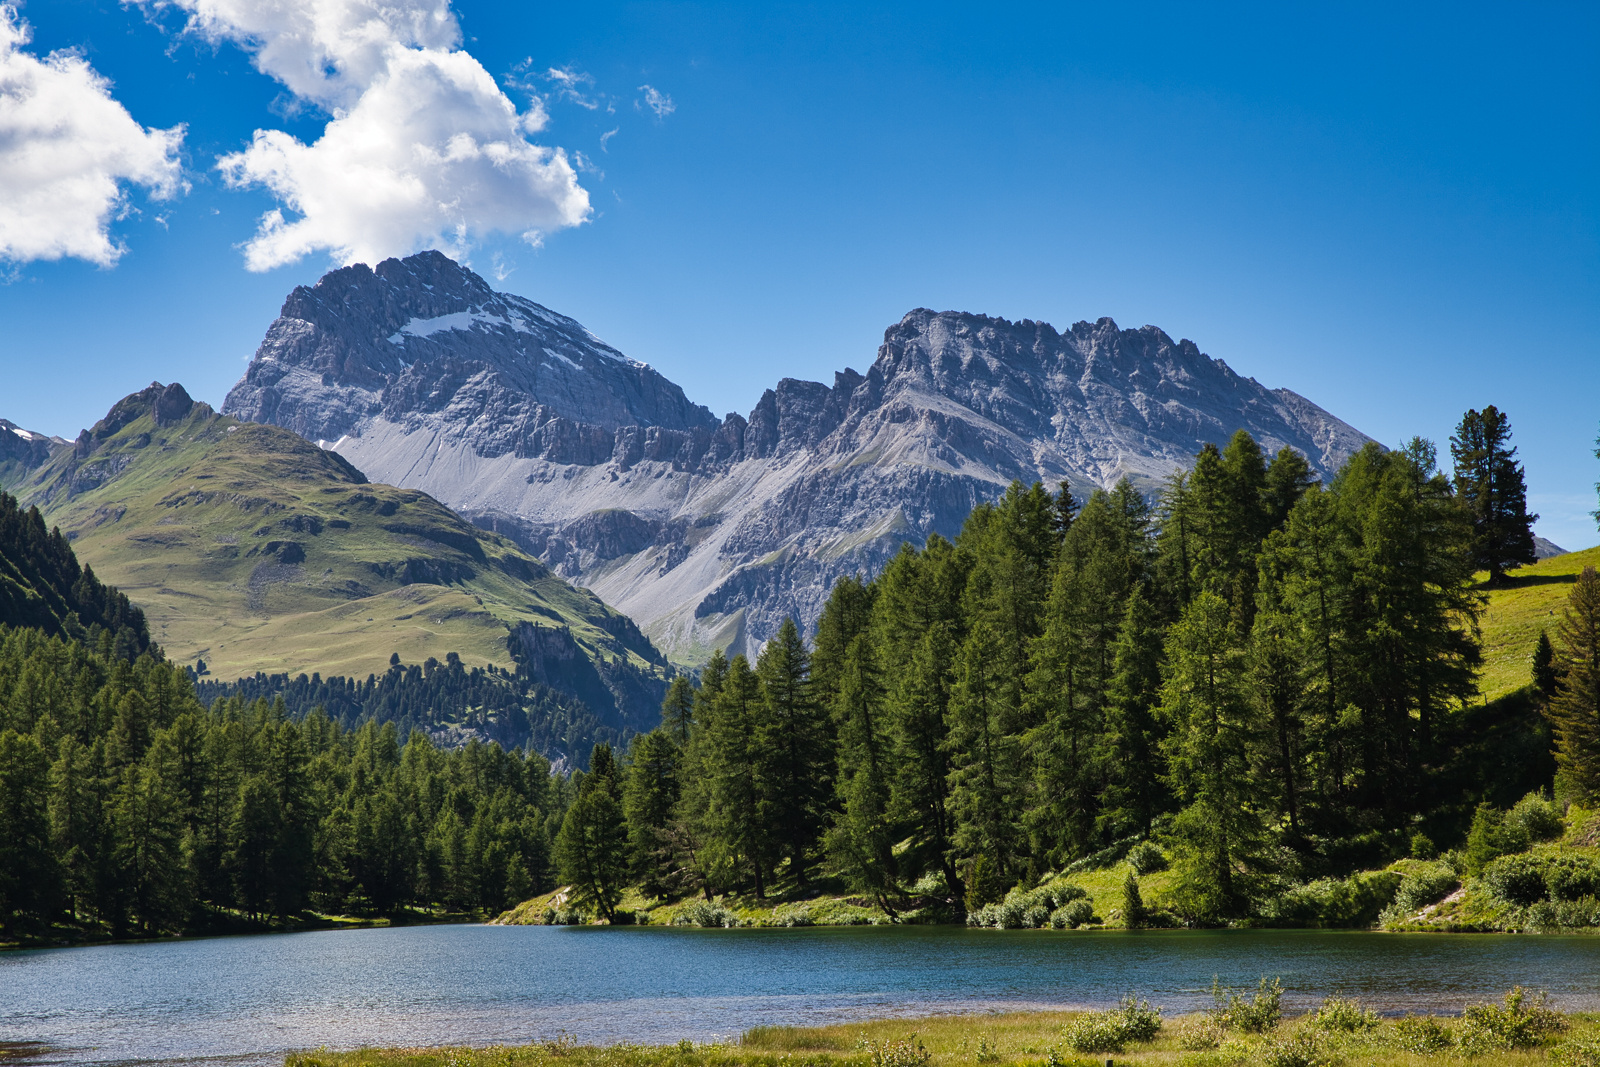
<point>422,340</point>
<point>710,534</point>
<point>23,450</point>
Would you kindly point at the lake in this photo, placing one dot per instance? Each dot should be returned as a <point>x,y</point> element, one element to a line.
<point>247,1000</point>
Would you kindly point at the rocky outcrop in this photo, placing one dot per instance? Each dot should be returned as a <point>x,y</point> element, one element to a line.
<point>709,534</point>
<point>22,451</point>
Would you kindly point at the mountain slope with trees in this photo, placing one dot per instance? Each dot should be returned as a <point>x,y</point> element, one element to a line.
<point>252,550</point>
<point>1271,675</point>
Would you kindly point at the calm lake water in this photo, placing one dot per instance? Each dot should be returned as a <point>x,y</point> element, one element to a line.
<point>248,1000</point>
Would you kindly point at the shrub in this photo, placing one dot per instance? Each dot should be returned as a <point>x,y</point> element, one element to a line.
<point>1491,837</point>
<point>1572,877</point>
<point>800,916</point>
<point>1516,880</point>
<point>1420,1034</point>
<point>1036,916</point>
<point>1539,818</point>
<point>1301,1050</point>
<point>1255,1016</point>
<point>932,885</point>
<point>1577,1053</point>
<point>1147,858</point>
<point>1133,1020</point>
<point>908,1053</point>
<point>1200,1034</point>
<point>1072,916</point>
<point>704,913</point>
<point>1423,886</point>
<point>1519,1023</point>
<point>1133,913</point>
<point>1333,902</point>
<point>1422,847</point>
<point>1344,1016</point>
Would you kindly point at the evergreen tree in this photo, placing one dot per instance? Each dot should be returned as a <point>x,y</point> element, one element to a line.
<point>1489,483</point>
<point>737,825</point>
<point>1134,792</point>
<point>985,769</point>
<point>30,883</point>
<point>919,716</point>
<point>650,796</point>
<point>1575,710</point>
<point>795,750</point>
<point>591,849</point>
<point>677,711</point>
<point>862,838</point>
<point>1544,672</point>
<point>1213,726</point>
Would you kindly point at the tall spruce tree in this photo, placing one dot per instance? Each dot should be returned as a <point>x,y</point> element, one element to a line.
<point>592,847</point>
<point>795,750</point>
<point>1575,710</point>
<point>1489,484</point>
<point>862,838</point>
<point>1134,792</point>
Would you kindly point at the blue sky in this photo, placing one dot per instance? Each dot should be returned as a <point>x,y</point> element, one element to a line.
<point>1394,214</point>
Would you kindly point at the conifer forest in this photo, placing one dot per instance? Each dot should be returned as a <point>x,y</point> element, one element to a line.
<point>1260,678</point>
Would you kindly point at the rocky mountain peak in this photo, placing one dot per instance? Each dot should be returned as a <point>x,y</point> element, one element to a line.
<point>708,533</point>
<point>425,333</point>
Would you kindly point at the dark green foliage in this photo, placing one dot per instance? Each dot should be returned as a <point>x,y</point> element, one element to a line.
<point>1489,484</point>
<point>507,708</point>
<point>1544,667</point>
<point>128,807</point>
<point>1492,836</point>
<point>591,849</point>
<point>1575,709</point>
<point>1133,911</point>
<point>42,586</point>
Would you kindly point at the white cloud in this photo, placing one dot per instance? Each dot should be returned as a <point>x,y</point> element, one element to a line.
<point>422,150</point>
<point>67,148</point>
<point>657,101</point>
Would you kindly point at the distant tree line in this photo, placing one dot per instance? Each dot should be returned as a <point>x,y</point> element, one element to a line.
<point>1273,673</point>
<point>506,707</point>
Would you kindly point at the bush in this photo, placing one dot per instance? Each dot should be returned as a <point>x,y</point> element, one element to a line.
<point>1072,915</point>
<point>931,885</point>
<point>1147,858</point>
<point>800,916</point>
<point>1577,1053</point>
<point>1134,1020</point>
<point>1492,836</point>
<point>1425,885</point>
<point>908,1053</point>
<point>1333,902</point>
<point>1572,877</point>
<point>1516,880</point>
<point>1133,913</point>
<point>1519,1023</point>
<point>1538,818</point>
<point>1420,1034</point>
<point>1565,914</point>
<point>704,913</point>
<point>1301,1050</point>
<point>1255,1016</point>
<point>1344,1016</point>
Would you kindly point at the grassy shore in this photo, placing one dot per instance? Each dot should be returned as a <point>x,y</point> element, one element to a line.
<point>1242,1031</point>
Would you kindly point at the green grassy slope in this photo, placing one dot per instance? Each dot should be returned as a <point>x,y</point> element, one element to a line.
<point>258,551</point>
<point>1532,599</point>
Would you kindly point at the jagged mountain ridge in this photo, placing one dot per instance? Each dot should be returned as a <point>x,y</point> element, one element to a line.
<point>710,534</point>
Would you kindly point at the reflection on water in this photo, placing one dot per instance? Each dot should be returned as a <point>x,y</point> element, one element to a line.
<point>250,999</point>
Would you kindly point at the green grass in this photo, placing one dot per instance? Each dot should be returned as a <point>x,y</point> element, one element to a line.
<point>1048,1039</point>
<point>192,521</point>
<point>1532,599</point>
